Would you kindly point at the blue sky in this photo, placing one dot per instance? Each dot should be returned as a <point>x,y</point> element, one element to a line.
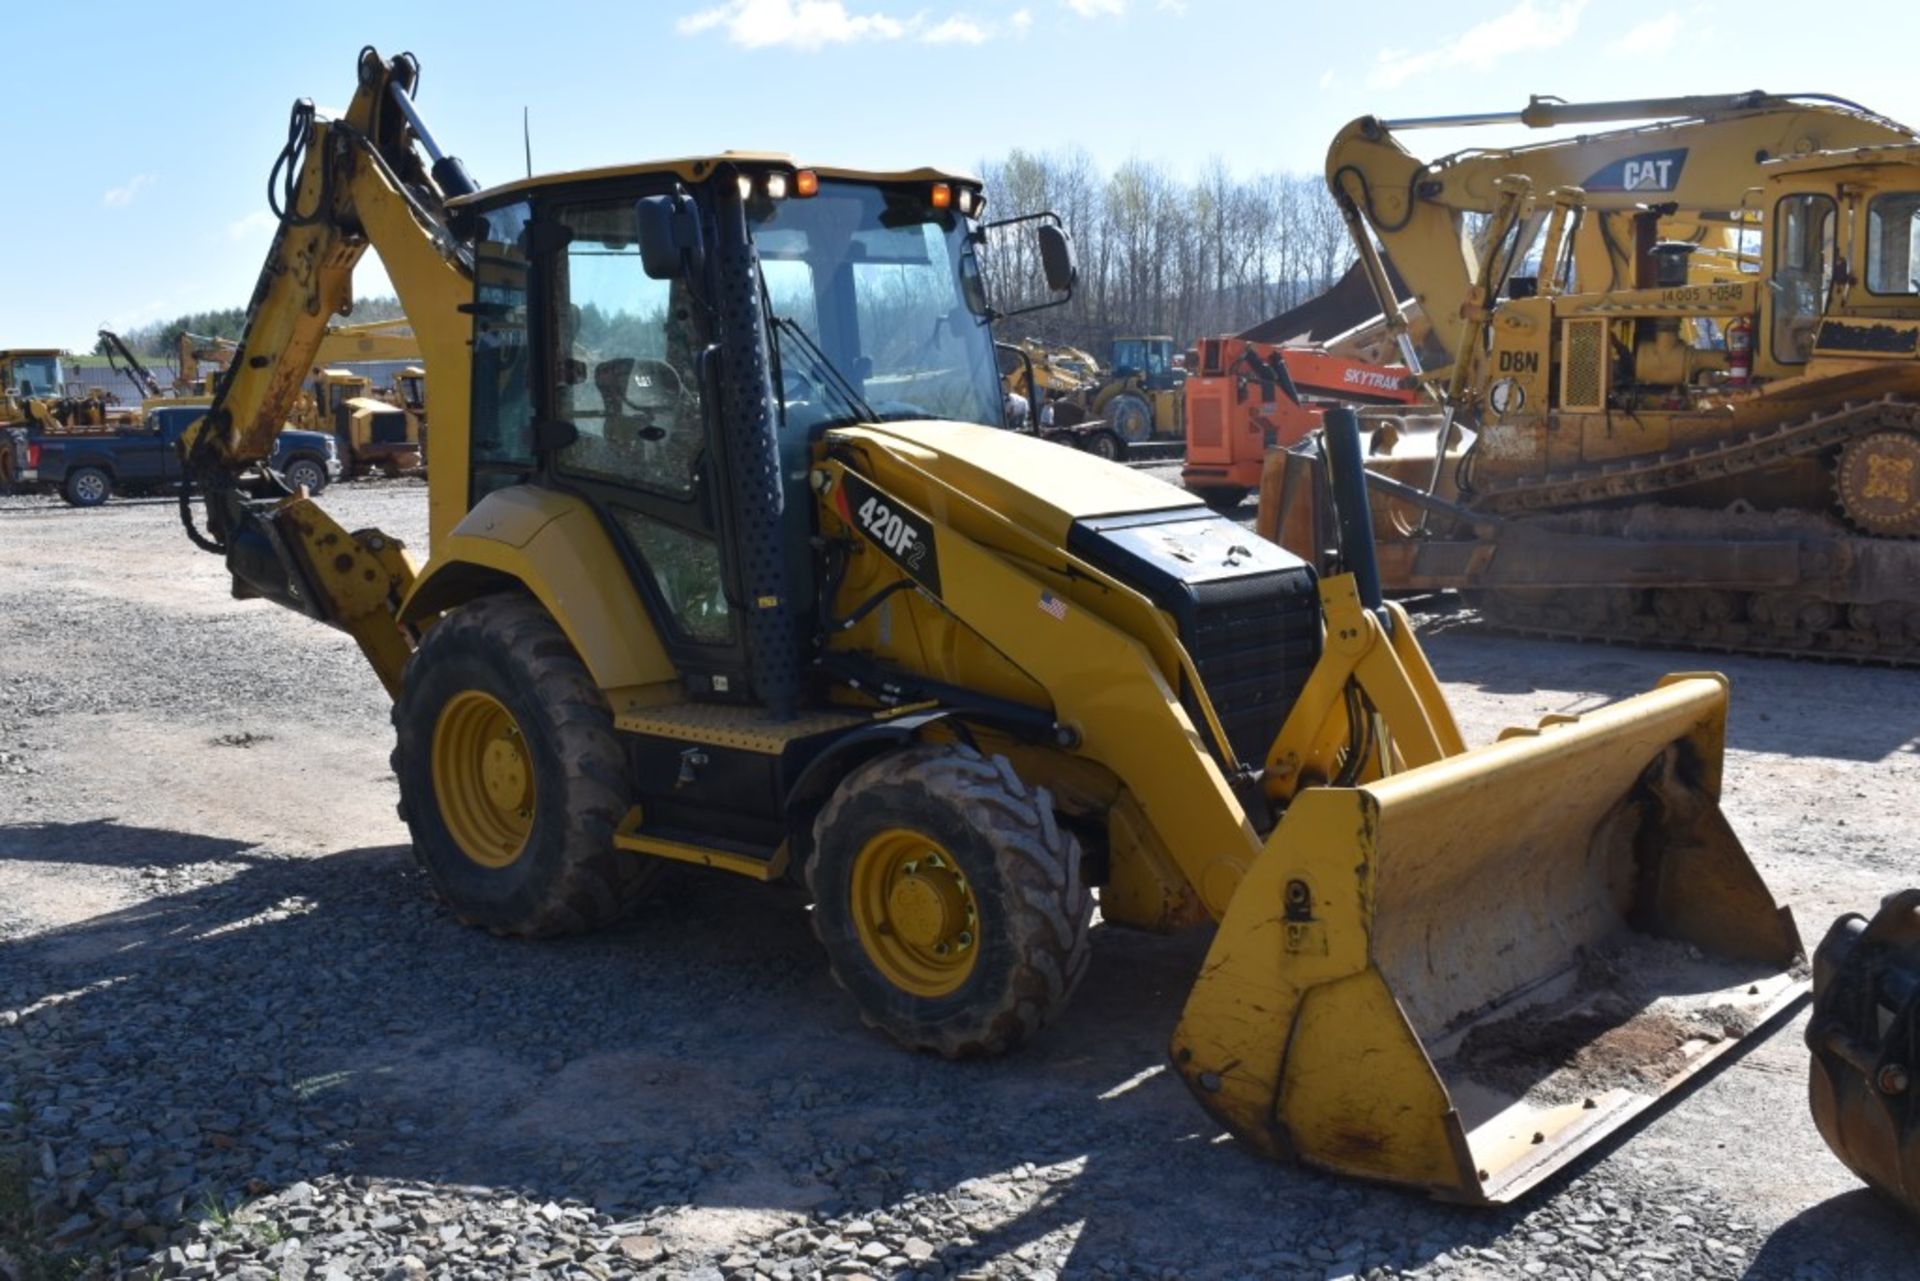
<point>140,141</point>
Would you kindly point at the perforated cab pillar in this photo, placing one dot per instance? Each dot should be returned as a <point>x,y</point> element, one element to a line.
<point>758,500</point>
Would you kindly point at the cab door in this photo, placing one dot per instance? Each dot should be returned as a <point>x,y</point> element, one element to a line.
<point>622,391</point>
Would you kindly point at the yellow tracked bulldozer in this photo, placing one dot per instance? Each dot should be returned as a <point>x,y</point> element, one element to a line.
<point>1700,426</point>
<point>733,565</point>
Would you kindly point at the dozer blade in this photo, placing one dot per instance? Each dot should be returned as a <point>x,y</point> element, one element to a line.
<point>1460,977</point>
<point>1865,1038</point>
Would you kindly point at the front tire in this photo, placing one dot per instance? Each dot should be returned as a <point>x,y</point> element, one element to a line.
<point>87,487</point>
<point>1107,445</point>
<point>306,473</point>
<point>951,904</point>
<point>512,781</point>
<point>1131,416</point>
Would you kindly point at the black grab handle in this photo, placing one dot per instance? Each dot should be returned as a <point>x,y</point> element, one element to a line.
<point>1347,480</point>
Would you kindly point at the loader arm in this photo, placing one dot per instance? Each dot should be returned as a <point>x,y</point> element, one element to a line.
<point>343,186</point>
<point>1703,154</point>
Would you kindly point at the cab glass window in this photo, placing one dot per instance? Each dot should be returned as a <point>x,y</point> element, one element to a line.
<point>502,356</point>
<point>624,358</point>
<point>1893,237</point>
<point>1802,272</point>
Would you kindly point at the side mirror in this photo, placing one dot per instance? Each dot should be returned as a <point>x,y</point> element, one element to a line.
<point>670,242</point>
<point>1056,257</point>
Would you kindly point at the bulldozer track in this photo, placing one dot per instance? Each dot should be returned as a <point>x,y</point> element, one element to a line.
<point>1834,645</point>
<point>1675,469</point>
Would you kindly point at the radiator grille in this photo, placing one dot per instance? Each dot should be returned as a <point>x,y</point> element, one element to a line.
<point>1583,369</point>
<point>389,429</point>
<point>1255,642</point>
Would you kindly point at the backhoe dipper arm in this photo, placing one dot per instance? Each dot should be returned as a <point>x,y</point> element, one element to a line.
<point>116,344</point>
<point>339,187</point>
<point>1703,155</point>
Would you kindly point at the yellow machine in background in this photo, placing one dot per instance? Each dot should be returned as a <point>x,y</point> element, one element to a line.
<point>1709,441</point>
<point>34,393</point>
<point>1140,395</point>
<point>376,431</point>
<point>766,589</point>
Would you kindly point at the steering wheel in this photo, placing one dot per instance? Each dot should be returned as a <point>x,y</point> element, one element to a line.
<point>659,376</point>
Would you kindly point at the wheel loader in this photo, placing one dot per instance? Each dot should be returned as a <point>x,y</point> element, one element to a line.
<point>732,565</point>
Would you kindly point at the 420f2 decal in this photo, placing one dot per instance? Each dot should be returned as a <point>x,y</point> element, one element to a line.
<point>904,535</point>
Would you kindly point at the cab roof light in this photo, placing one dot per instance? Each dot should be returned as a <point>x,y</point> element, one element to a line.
<point>941,195</point>
<point>963,201</point>
<point>777,186</point>
<point>806,183</point>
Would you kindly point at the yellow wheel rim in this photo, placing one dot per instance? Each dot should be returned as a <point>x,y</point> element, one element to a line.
<point>483,778</point>
<point>915,913</point>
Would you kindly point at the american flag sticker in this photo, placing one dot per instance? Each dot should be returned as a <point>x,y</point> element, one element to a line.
<point>1052,605</point>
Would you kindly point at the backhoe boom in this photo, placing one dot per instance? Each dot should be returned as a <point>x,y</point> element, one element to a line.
<point>342,186</point>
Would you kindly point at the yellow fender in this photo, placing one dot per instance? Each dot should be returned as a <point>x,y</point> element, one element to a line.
<point>553,546</point>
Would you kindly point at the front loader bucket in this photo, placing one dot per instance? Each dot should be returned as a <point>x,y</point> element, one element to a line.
<point>1460,977</point>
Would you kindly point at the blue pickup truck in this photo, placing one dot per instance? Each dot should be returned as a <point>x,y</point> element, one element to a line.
<point>89,469</point>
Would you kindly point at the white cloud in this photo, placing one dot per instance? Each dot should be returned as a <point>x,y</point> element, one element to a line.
<point>1098,8</point>
<point>803,24</point>
<point>1176,7</point>
<point>251,226</point>
<point>814,24</point>
<point>124,195</point>
<point>1655,35</point>
<point>1524,27</point>
<point>1329,78</point>
<point>957,30</point>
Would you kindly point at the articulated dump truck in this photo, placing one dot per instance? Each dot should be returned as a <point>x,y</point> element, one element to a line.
<point>732,564</point>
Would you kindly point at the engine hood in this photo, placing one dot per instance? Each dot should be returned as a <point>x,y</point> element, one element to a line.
<point>1044,486</point>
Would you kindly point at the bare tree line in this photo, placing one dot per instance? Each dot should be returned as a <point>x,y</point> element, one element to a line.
<point>1158,255</point>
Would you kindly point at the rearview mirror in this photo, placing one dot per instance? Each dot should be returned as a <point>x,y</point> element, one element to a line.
<point>670,242</point>
<point>1056,257</point>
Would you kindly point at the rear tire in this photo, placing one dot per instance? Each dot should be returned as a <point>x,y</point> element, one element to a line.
<point>87,487</point>
<point>512,780</point>
<point>951,905</point>
<point>1107,445</point>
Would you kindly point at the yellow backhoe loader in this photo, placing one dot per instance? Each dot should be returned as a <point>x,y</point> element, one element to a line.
<point>732,565</point>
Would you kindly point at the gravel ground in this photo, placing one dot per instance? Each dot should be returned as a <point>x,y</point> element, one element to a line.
<point>239,1039</point>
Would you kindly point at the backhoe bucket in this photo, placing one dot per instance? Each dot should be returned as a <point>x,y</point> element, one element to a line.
<point>1460,977</point>
<point>1865,1038</point>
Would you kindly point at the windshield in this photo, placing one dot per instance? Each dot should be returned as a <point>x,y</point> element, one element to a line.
<point>37,376</point>
<point>888,287</point>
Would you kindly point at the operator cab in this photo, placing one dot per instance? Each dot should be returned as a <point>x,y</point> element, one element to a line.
<point>1149,359</point>
<point>670,341</point>
<point>32,372</point>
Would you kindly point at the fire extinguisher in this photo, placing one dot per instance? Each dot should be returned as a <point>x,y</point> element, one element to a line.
<point>1740,352</point>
